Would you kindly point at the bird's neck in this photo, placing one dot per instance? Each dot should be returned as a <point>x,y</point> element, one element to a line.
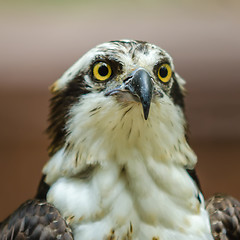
<point>97,136</point>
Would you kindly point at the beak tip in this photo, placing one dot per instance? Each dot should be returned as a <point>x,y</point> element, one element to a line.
<point>146,109</point>
<point>145,117</point>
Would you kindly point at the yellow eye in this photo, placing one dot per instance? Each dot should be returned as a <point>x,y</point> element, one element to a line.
<point>102,71</point>
<point>164,73</point>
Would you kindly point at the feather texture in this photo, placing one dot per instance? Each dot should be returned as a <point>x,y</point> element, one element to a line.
<point>35,219</point>
<point>224,212</point>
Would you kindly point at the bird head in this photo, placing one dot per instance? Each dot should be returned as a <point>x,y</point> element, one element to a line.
<point>120,92</point>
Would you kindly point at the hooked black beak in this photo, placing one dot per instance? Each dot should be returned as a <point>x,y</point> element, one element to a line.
<point>140,84</point>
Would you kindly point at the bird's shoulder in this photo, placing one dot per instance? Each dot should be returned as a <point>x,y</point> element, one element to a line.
<point>224,214</point>
<point>35,219</point>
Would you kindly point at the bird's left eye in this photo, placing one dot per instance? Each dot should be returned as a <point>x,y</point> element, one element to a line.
<point>102,71</point>
<point>164,73</point>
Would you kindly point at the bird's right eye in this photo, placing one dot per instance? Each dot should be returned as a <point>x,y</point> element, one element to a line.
<point>102,71</point>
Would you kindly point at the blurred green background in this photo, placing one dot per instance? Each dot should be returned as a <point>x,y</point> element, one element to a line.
<point>39,40</point>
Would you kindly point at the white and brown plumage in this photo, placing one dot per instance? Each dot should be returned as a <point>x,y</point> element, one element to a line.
<point>120,166</point>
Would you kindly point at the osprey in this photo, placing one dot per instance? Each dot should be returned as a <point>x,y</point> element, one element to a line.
<point>120,165</point>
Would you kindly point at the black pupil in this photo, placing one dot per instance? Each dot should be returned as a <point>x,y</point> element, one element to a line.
<point>103,70</point>
<point>163,72</point>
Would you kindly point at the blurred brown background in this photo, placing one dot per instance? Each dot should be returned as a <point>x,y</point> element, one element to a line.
<point>39,40</point>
